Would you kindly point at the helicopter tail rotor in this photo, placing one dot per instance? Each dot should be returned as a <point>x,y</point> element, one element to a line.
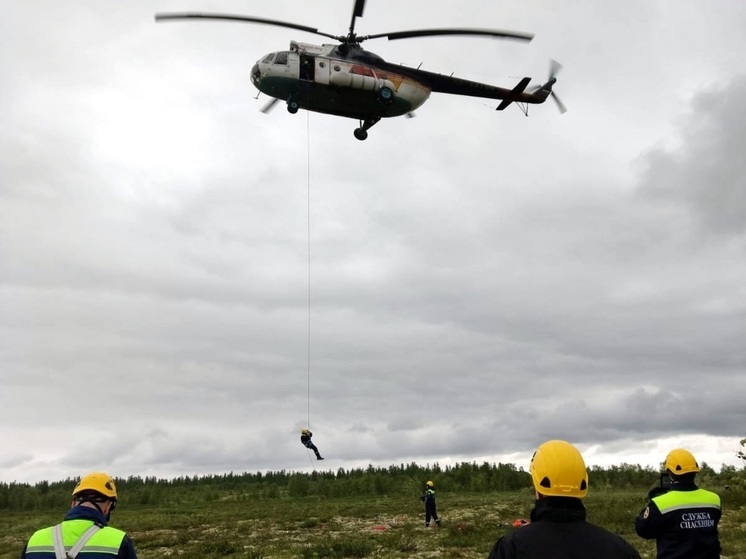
<point>560,104</point>
<point>554,68</point>
<point>544,91</point>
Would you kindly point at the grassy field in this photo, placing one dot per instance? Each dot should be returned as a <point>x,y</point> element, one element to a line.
<point>242,526</point>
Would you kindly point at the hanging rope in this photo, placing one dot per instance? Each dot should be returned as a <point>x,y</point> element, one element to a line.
<point>308,212</point>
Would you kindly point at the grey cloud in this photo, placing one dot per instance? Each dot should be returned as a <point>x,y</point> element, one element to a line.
<point>705,173</point>
<point>479,281</point>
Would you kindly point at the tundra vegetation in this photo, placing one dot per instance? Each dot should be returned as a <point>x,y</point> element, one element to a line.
<point>373,512</point>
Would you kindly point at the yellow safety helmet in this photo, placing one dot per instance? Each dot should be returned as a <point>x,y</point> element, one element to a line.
<point>99,482</point>
<point>680,461</point>
<point>429,484</point>
<point>558,470</point>
<point>304,431</point>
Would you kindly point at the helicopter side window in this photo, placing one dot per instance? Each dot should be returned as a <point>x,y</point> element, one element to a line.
<point>267,59</point>
<point>281,58</point>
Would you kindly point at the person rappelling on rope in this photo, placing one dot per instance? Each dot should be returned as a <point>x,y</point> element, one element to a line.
<point>305,438</point>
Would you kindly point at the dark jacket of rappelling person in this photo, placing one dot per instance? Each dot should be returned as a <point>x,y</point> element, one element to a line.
<point>305,438</point>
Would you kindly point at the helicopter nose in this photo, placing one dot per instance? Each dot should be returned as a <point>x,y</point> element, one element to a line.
<point>256,74</point>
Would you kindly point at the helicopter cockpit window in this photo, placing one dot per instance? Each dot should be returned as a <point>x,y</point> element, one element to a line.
<point>281,58</point>
<point>267,59</point>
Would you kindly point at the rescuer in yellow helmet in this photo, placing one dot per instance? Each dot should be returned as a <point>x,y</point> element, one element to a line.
<point>85,527</point>
<point>431,511</point>
<point>305,438</point>
<point>558,528</point>
<point>681,517</point>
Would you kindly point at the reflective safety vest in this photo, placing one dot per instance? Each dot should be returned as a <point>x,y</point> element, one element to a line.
<point>103,544</point>
<point>680,500</point>
<point>685,524</point>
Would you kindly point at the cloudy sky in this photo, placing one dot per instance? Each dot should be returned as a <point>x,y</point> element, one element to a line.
<point>479,282</point>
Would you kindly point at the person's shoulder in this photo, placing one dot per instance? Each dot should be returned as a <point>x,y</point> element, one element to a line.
<point>115,530</point>
<point>527,531</point>
<point>503,547</point>
<point>614,540</point>
<point>44,529</point>
<point>127,549</point>
<point>40,532</point>
<point>710,492</point>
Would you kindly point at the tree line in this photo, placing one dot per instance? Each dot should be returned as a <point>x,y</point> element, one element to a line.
<point>393,480</point>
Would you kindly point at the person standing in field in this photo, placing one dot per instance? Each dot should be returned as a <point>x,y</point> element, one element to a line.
<point>682,518</point>
<point>85,528</point>
<point>305,438</point>
<point>431,511</point>
<point>558,528</point>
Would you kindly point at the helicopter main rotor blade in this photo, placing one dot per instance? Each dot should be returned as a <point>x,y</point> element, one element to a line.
<point>268,107</point>
<point>248,19</point>
<point>357,11</point>
<point>496,33</point>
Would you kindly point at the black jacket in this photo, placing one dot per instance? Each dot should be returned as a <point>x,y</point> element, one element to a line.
<point>683,521</point>
<point>558,530</point>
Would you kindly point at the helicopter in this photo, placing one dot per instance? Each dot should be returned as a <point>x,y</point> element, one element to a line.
<point>346,80</point>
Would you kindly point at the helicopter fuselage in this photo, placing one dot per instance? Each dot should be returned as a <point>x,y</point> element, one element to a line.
<point>346,80</point>
<point>323,79</point>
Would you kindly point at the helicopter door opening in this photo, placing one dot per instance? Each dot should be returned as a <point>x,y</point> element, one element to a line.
<point>306,68</point>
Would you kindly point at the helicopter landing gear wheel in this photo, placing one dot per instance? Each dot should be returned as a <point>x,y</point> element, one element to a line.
<point>362,132</point>
<point>292,106</point>
<point>386,94</point>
